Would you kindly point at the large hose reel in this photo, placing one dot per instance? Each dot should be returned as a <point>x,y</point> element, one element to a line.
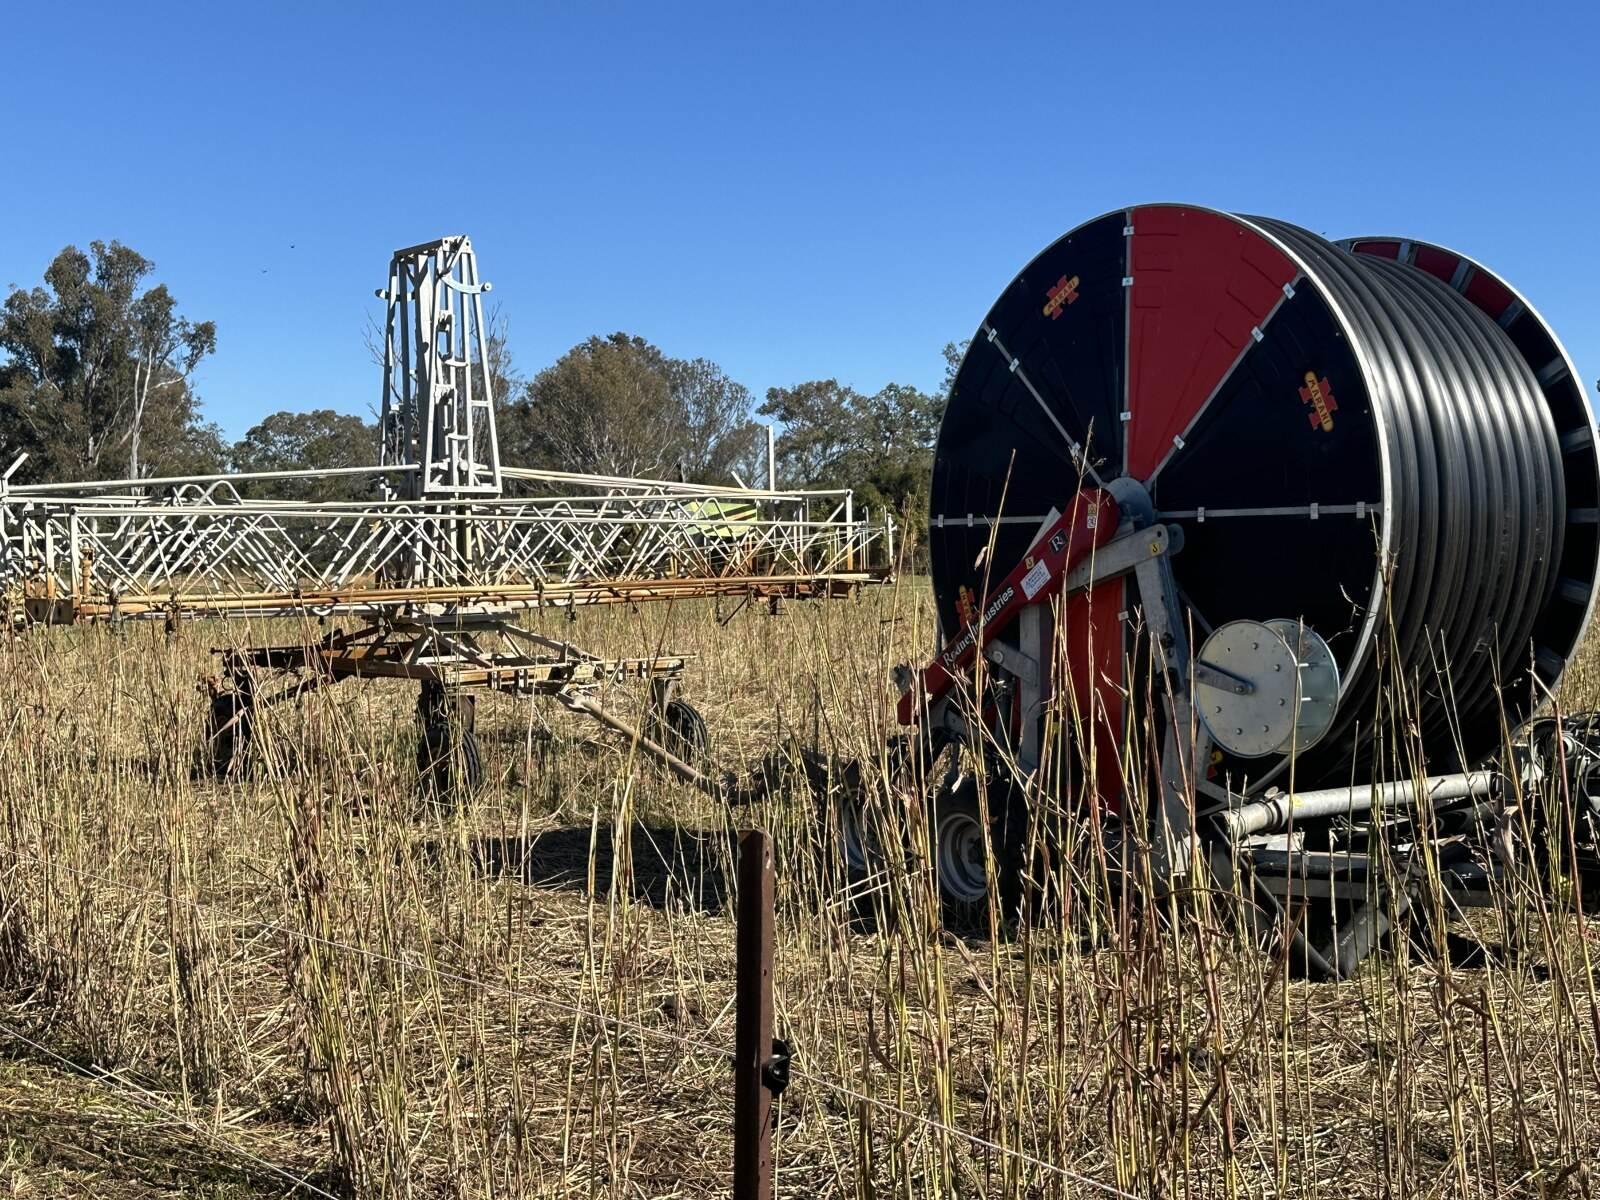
<point>1378,453</point>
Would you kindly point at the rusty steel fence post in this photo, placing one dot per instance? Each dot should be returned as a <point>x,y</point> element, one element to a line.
<point>752,1040</point>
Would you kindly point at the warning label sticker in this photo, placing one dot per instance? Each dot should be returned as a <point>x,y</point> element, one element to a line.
<point>1035,579</point>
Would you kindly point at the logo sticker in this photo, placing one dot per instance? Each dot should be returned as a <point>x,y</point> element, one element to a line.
<point>966,606</point>
<point>1063,294</point>
<point>1058,541</point>
<point>1318,393</point>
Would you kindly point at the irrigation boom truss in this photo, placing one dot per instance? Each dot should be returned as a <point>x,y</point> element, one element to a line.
<point>198,546</point>
<point>447,546</point>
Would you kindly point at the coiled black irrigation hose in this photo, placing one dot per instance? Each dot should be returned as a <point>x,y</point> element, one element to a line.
<point>1379,437</point>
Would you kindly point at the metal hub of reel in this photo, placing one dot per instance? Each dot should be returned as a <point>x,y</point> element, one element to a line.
<point>1266,687</point>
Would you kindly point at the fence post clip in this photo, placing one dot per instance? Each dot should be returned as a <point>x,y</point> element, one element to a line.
<point>775,1071</point>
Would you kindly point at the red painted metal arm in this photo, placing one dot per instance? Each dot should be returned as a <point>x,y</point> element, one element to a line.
<point>1089,522</point>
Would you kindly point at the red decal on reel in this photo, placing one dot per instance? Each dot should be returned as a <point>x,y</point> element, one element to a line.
<point>1063,294</point>
<point>1318,393</point>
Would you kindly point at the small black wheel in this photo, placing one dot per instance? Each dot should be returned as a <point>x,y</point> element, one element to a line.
<point>847,829</point>
<point>682,730</point>
<point>229,726</point>
<point>962,860</point>
<point>856,835</point>
<point>449,759</point>
<point>449,768</point>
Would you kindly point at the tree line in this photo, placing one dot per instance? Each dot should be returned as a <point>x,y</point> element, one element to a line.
<point>97,363</point>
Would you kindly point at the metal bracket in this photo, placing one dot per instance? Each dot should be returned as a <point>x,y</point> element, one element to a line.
<point>1014,662</point>
<point>1122,554</point>
<point>1204,672</point>
<point>775,1071</point>
<point>1185,743</point>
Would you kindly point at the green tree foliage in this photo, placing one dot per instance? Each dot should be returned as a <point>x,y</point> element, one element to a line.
<point>618,406</point>
<point>954,352</point>
<point>720,440</point>
<point>881,445</point>
<point>95,381</point>
<point>318,440</point>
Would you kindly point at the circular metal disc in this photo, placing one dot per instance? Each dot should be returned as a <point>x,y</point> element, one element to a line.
<point>1260,722</point>
<point>1319,683</point>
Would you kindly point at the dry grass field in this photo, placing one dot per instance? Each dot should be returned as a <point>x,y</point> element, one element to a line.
<point>308,981</point>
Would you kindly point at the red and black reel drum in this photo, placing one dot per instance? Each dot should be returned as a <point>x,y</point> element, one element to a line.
<point>1378,438</point>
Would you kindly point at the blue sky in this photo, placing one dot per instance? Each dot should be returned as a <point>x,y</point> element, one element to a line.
<point>796,192</point>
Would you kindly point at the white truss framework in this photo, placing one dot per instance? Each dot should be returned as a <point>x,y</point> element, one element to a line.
<point>200,545</point>
<point>438,402</point>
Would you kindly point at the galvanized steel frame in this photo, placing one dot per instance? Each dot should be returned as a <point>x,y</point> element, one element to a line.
<point>202,546</point>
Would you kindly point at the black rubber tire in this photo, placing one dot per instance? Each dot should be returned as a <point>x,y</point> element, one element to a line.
<point>959,860</point>
<point>449,758</point>
<point>682,730</point>
<point>449,773</point>
<point>229,727</point>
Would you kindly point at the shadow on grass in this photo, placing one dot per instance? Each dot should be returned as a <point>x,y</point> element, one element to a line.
<point>103,1151</point>
<point>663,866</point>
<point>667,867</point>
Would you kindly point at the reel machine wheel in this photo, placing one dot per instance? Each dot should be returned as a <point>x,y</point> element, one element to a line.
<point>863,830</point>
<point>961,855</point>
<point>858,841</point>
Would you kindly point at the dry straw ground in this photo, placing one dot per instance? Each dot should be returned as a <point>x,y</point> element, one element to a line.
<point>307,981</point>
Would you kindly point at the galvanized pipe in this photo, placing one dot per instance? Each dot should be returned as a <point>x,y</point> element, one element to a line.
<point>1277,813</point>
